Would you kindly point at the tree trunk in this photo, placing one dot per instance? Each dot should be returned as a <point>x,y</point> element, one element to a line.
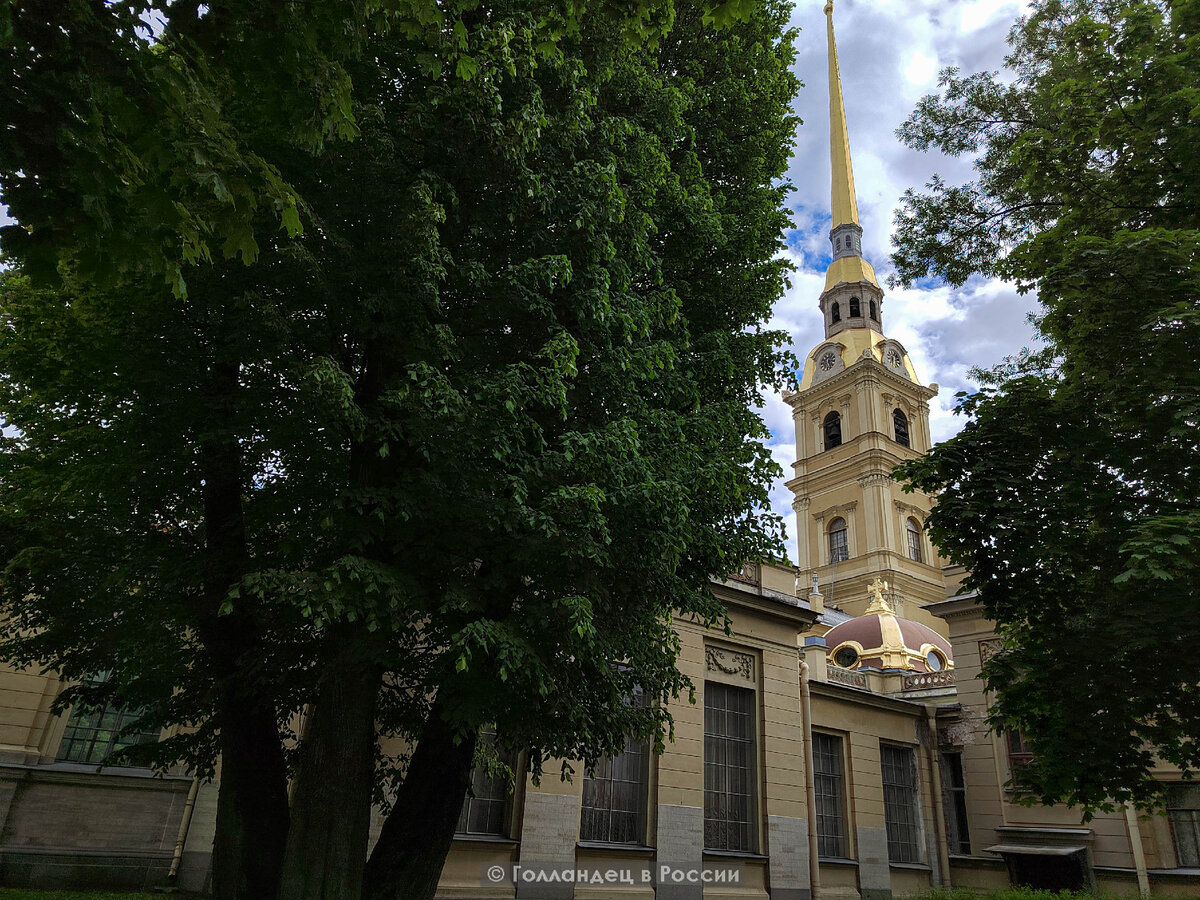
<point>252,813</point>
<point>331,815</point>
<point>407,861</point>
<point>252,810</point>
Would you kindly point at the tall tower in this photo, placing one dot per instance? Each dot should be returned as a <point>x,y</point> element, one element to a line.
<point>859,411</point>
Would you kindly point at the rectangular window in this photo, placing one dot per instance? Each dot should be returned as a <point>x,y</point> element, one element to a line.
<point>485,808</point>
<point>1183,811</point>
<point>1019,755</point>
<point>900,803</point>
<point>914,543</point>
<point>839,551</point>
<point>954,799</point>
<point>93,734</point>
<point>614,798</point>
<point>729,769</point>
<point>829,776</point>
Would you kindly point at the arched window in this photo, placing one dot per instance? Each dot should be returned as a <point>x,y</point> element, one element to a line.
<point>874,311</point>
<point>837,313</point>
<point>914,540</point>
<point>837,244</point>
<point>900,421</point>
<point>855,308</point>
<point>833,431</point>
<point>839,550</point>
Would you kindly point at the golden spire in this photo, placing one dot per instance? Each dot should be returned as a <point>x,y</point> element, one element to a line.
<point>845,205</point>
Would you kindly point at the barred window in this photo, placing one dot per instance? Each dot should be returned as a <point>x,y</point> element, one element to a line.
<point>92,735</point>
<point>485,808</point>
<point>729,770</point>
<point>614,797</point>
<point>829,777</point>
<point>954,793</point>
<point>1183,812</point>
<point>900,803</point>
<point>855,308</point>
<point>913,527</point>
<point>838,547</point>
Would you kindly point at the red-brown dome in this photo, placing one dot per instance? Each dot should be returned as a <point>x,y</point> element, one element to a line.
<point>882,640</point>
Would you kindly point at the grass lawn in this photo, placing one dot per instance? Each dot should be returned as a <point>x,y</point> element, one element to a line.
<point>1013,893</point>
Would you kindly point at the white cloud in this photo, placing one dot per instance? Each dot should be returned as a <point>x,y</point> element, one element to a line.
<point>890,51</point>
<point>921,69</point>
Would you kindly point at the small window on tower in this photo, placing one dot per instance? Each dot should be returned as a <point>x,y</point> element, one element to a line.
<point>914,540</point>
<point>900,421</point>
<point>833,431</point>
<point>874,311</point>
<point>855,308</point>
<point>839,549</point>
<point>836,314</point>
<point>837,244</point>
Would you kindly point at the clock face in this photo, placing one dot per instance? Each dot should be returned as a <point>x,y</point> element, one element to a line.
<point>894,359</point>
<point>828,360</point>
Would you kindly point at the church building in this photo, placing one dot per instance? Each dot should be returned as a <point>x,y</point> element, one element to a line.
<point>837,748</point>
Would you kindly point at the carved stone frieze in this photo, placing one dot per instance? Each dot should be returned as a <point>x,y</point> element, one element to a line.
<point>727,662</point>
<point>838,675</point>
<point>989,648</point>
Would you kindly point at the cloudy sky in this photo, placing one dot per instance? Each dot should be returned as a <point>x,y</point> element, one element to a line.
<point>890,53</point>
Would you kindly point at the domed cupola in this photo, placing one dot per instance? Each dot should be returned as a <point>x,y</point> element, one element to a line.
<point>882,641</point>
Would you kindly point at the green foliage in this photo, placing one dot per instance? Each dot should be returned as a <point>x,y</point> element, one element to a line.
<point>1011,893</point>
<point>490,412</point>
<point>1073,492</point>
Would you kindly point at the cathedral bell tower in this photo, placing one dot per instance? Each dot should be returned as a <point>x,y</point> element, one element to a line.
<point>859,411</point>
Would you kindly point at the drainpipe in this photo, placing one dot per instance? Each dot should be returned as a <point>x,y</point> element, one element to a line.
<point>939,808</point>
<point>1135,844</point>
<point>810,788</point>
<point>184,824</point>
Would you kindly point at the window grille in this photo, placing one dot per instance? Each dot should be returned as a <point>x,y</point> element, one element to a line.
<point>900,812</point>
<point>829,778</point>
<point>1183,812</point>
<point>855,308</point>
<point>729,769</point>
<point>954,792</point>
<point>839,550</point>
<point>485,808</point>
<point>614,797</point>
<point>914,540</point>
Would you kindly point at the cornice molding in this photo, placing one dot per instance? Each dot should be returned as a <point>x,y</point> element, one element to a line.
<point>835,510</point>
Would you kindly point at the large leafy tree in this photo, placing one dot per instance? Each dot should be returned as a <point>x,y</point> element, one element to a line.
<point>452,457</point>
<point>570,449</point>
<point>1073,492</point>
